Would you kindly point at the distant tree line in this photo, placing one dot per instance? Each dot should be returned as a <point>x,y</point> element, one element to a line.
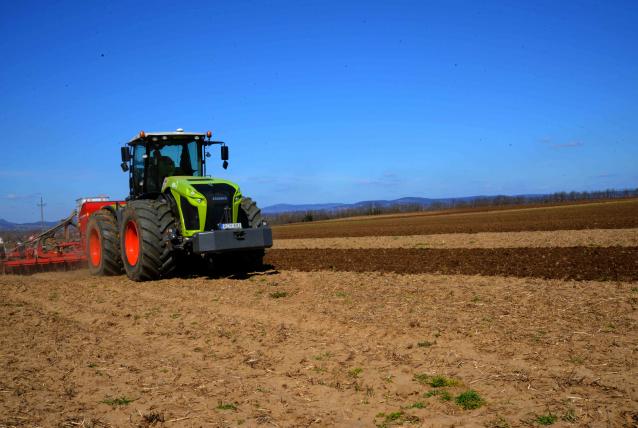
<point>479,202</point>
<point>12,237</point>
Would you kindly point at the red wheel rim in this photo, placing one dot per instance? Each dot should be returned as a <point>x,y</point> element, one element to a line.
<point>95,249</point>
<point>132,243</point>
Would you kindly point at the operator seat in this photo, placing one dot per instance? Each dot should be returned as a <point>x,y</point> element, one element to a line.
<point>166,167</point>
<point>160,167</point>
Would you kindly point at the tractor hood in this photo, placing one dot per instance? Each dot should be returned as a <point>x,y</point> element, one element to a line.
<point>203,202</point>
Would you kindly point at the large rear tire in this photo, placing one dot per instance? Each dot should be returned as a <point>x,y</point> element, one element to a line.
<point>144,236</point>
<point>103,244</point>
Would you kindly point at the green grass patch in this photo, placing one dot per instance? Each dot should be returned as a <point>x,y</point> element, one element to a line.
<point>226,406</point>
<point>118,401</point>
<point>547,419</point>
<point>278,294</point>
<point>576,359</point>
<point>355,372</point>
<point>322,356</point>
<point>469,400</point>
<point>441,393</point>
<point>441,381</point>
<point>435,381</point>
<point>418,405</point>
<point>396,418</point>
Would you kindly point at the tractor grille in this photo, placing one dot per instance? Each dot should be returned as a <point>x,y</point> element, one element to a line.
<point>191,216</point>
<point>219,199</point>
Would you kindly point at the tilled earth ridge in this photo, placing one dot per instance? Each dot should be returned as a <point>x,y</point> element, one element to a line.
<point>608,215</point>
<point>315,349</point>
<point>538,239</point>
<point>581,263</point>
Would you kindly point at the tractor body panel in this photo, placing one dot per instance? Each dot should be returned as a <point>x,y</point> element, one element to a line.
<point>203,203</point>
<point>217,241</point>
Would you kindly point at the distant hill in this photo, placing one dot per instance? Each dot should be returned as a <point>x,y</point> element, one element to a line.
<point>381,203</point>
<point>287,208</point>
<point>7,225</point>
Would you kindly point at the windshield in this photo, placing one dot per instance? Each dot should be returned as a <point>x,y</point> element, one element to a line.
<point>151,165</point>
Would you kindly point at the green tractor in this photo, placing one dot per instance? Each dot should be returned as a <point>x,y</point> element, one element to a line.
<point>175,215</point>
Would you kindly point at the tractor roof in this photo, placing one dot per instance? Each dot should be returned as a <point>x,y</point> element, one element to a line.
<point>179,133</point>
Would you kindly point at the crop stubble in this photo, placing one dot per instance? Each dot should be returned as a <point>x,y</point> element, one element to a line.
<point>338,349</point>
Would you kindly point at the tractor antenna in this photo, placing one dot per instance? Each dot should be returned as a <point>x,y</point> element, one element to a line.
<point>41,205</point>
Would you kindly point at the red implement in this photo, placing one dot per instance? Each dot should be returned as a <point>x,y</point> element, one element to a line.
<point>60,248</point>
<point>45,252</point>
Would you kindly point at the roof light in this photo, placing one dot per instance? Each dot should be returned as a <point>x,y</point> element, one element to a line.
<point>142,134</point>
<point>180,129</point>
<point>209,134</point>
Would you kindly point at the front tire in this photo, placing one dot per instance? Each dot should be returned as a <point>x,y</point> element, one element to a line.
<point>145,248</point>
<point>250,216</point>
<point>103,244</point>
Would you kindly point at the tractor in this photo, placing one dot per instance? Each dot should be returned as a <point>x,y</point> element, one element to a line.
<point>174,216</point>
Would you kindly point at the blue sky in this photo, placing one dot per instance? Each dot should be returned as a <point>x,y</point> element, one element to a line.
<point>324,101</point>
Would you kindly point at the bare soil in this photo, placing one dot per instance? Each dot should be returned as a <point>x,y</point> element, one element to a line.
<point>608,215</point>
<point>316,349</point>
<point>581,263</point>
<point>540,239</point>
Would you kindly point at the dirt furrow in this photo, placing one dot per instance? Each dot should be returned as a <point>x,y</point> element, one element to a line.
<point>581,263</point>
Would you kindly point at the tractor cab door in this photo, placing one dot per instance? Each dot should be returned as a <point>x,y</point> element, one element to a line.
<point>138,174</point>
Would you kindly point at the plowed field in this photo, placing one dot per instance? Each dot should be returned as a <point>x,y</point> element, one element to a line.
<point>537,315</point>
<point>608,263</point>
<point>604,215</point>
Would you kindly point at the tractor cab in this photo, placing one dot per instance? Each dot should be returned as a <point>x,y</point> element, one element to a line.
<point>152,157</point>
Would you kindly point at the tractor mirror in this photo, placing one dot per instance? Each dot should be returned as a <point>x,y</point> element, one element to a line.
<point>225,164</point>
<point>126,155</point>
<point>224,153</point>
<point>124,166</point>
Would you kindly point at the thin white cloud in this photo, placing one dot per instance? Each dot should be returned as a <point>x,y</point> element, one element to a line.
<point>570,145</point>
<point>16,197</point>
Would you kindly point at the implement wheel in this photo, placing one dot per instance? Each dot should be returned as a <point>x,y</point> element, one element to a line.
<point>103,244</point>
<point>146,250</point>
